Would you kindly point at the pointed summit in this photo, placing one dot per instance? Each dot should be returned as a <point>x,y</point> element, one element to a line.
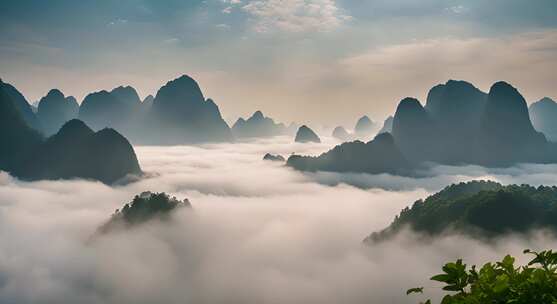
<point>341,133</point>
<point>507,134</point>
<point>364,126</point>
<point>305,135</point>
<point>127,95</point>
<point>257,115</point>
<point>55,109</point>
<point>182,115</point>
<point>257,126</point>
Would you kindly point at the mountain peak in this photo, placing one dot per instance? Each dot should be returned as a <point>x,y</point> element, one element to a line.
<point>257,115</point>
<point>74,127</point>
<point>55,93</point>
<point>305,134</point>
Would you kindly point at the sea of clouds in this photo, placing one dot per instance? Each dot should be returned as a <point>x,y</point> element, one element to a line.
<point>258,232</point>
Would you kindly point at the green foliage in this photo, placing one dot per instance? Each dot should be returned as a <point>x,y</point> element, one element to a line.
<point>479,208</point>
<point>143,208</point>
<point>500,282</point>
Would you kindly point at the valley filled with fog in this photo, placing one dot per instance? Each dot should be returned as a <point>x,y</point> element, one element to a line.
<point>258,232</point>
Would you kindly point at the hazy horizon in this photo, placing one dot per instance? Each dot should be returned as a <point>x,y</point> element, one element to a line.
<point>111,198</point>
<point>295,60</point>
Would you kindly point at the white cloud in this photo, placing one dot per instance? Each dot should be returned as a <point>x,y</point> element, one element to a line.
<point>295,15</point>
<point>259,233</point>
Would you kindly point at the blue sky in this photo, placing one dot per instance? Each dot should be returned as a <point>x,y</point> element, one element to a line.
<point>302,60</point>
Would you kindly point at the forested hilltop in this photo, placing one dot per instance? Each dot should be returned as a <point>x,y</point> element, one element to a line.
<point>480,209</point>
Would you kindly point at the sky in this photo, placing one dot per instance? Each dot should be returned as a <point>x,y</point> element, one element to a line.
<point>324,62</point>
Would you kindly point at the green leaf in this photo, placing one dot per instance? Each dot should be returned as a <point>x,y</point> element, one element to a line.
<point>415,290</point>
<point>441,278</point>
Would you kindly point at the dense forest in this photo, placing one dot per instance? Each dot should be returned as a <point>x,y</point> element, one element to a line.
<point>479,208</point>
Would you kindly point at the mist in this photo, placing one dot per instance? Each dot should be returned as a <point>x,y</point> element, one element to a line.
<point>259,232</point>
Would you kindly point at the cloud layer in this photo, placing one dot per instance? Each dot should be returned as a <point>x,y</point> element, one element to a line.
<point>259,232</point>
<point>295,15</point>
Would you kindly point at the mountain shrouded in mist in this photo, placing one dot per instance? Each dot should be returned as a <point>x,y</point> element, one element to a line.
<point>274,157</point>
<point>507,135</point>
<point>75,151</point>
<point>460,125</point>
<point>21,105</point>
<point>387,125</point>
<point>478,208</point>
<point>543,114</point>
<point>305,135</point>
<point>17,138</point>
<point>127,95</point>
<point>414,130</point>
<point>341,133</point>
<point>258,126</point>
<point>355,157</point>
<point>180,114</point>
<point>104,110</point>
<point>55,109</point>
<point>364,127</point>
<point>145,207</point>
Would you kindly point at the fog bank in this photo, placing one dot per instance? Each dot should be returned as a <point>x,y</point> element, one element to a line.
<point>258,233</point>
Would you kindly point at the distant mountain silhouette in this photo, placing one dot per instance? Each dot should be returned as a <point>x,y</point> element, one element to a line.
<point>387,126</point>
<point>76,151</point>
<point>272,157</point>
<point>414,131</point>
<point>54,110</point>
<point>480,209</point>
<point>364,127</point>
<point>341,133</point>
<point>461,125</point>
<point>507,135</point>
<point>180,114</point>
<point>17,138</point>
<point>305,134</point>
<point>103,109</point>
<point>143,208</point>
<point>380,155</point>
<point>456,108</point>
<point>257,126</point>
<point>543,114</point>
<point>21,105</point>
<point>128,95</point>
